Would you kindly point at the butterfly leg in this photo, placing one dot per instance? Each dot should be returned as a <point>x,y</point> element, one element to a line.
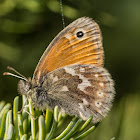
<point>30,115</point>
<point>43,112</point>
<point>24,106</point>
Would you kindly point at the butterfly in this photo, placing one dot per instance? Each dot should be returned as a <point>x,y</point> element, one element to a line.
<point>70,74</point>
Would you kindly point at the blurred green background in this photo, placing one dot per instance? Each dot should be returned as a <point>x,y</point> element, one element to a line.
<point>28,26</point>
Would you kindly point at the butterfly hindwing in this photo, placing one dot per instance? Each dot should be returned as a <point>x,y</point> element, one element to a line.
<point>79,89</point>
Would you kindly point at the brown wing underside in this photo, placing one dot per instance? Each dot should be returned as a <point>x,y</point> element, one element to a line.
<point>82,90</point>
<point>67,49</point>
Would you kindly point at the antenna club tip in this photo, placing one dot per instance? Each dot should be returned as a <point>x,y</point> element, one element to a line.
<point>5,73</point>
<point>8,67</point>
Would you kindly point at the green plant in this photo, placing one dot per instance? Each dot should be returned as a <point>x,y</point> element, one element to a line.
<point>23,126</point>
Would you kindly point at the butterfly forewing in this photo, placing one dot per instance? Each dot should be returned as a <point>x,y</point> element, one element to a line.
<point>71,47</point>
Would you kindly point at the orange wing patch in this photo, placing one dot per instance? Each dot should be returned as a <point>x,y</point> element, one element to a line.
<point>67,48</point>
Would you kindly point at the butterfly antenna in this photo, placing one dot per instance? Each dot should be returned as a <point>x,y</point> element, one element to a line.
<point>20,75</point>
<point>62,13</point>
<point>12,69</point>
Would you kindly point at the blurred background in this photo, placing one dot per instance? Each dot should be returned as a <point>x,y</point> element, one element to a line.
<point>28,26</point>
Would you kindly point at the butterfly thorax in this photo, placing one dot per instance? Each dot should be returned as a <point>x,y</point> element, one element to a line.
<point>37,93</point>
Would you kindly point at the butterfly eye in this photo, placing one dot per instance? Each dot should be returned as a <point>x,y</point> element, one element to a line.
<point>79,34</point>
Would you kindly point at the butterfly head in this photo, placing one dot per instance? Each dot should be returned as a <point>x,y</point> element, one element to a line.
<point>24,87</point>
